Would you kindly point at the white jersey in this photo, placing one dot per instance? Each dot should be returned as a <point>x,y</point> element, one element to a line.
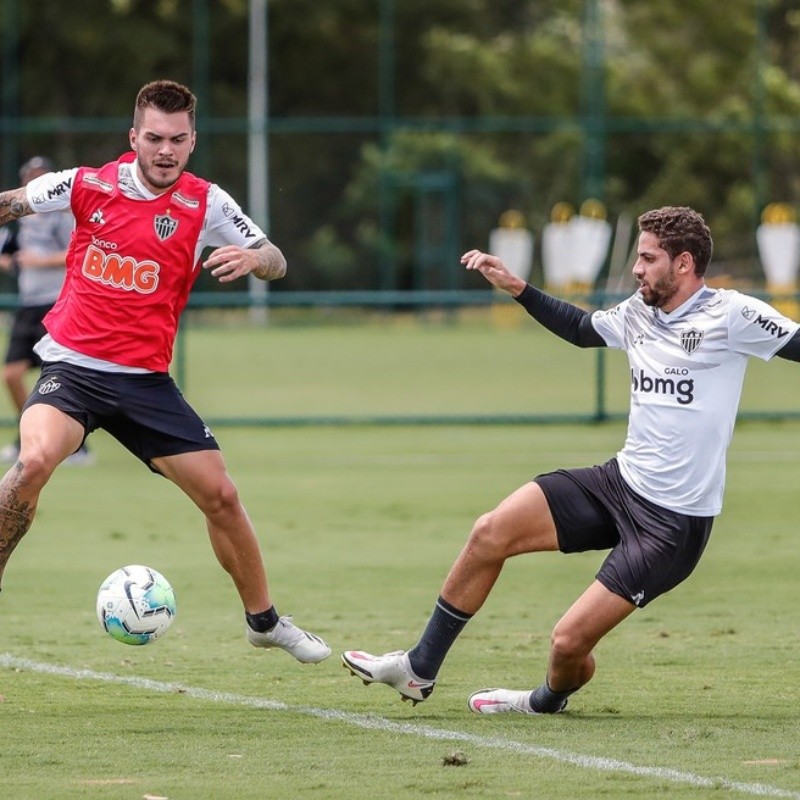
<point>224,223</point>
<point>687,370</point>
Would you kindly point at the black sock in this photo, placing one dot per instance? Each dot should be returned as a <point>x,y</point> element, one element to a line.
<point>545,701</point>
<point>443,627</point>
<point>263,621</point>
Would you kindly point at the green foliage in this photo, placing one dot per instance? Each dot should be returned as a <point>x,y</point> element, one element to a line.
<point>687,105</point>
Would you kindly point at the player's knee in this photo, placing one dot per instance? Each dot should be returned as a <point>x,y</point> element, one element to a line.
<point>487,539</point>
<point>36,467</point>
<point>222,499</point>
<point>567,642</point>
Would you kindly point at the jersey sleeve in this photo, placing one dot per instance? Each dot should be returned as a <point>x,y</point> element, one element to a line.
<point>226,223</point>
<point>51,191</point>
<point>757,329</point>
<point>610,324</point>
<point>570,322</point>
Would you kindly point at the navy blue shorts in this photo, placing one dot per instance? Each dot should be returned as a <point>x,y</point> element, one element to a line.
<point>26,329</point>
<point>146,413</point>
<point>653,549</point>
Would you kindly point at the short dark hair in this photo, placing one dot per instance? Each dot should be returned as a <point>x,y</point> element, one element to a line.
<point>680,229</point>
<point>167,96</point>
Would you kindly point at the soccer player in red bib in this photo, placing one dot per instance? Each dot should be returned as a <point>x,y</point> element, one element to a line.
<point>141,225</point>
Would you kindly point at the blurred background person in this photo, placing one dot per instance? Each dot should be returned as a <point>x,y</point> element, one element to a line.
<point>36,256</point>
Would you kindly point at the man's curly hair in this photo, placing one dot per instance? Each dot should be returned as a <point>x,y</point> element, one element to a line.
<point>680,230</point>
<point>167,96</point>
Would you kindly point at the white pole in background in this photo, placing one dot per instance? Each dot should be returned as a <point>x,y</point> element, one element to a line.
<point>257,145</point>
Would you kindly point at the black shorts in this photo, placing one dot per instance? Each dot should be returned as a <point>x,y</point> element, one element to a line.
<point>653,549</point>
<point>26,330</point>
<point>146,413</point>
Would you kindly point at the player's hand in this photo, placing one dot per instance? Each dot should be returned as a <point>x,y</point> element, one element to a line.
<point>264,261</point>
<point>231,262</point>
<point>494,270</point>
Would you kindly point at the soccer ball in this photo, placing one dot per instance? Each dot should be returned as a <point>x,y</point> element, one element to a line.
<point>135,604</point>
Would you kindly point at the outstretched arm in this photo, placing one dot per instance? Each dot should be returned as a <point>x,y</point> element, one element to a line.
<point>570,322</point>
<point>14,204</point>
<point>494,270</point>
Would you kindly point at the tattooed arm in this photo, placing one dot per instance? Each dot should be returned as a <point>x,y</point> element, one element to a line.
<point>14,204</point>
<point>264,260</point>
<point>270,262</point>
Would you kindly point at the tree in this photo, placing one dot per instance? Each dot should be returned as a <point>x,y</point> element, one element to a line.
<point>389,116</point>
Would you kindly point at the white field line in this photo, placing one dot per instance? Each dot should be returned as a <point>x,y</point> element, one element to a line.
<point>370,722</point>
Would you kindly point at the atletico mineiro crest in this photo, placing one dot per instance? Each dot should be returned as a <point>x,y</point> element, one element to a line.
<point>165,226</point>
<point>690,340</point>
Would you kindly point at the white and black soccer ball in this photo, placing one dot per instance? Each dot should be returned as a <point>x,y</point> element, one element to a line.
<point>136,604</point>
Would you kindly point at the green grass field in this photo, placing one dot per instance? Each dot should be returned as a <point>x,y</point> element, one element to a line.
<point>480,366</point>
<point>695,697</point>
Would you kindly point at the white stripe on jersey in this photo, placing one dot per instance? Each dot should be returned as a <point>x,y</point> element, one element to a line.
<point>686,374</point>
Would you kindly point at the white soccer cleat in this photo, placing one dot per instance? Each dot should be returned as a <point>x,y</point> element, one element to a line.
<point>393,669</point>
<point>503,701</point>
<point>304,646</point>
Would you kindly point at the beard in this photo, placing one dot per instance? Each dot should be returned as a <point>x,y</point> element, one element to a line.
<point>662,291</point>
<point>153,174</point>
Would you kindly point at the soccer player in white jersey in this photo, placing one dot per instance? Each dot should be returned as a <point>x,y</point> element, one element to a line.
<point>653,504</point>
<point>141,225</point>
